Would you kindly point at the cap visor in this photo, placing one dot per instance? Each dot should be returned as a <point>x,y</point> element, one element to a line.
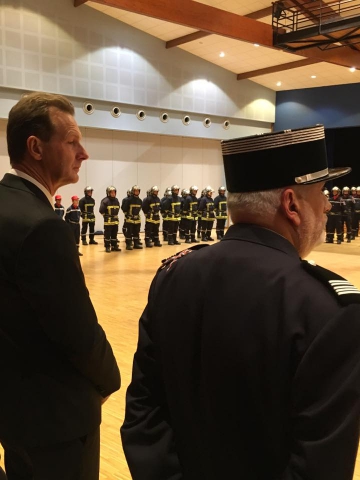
<point>333,173</point>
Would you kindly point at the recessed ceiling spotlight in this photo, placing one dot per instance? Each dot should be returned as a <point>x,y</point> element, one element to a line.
<point>313,76</point>
<point>222,54</point>
<point>278,84</point>
<point>256,45</point>
<point>352,69</point>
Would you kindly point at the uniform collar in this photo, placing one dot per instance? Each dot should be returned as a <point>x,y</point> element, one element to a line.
<point>262,236</point>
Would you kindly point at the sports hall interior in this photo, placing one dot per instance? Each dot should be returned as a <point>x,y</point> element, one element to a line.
<point>153,98</point>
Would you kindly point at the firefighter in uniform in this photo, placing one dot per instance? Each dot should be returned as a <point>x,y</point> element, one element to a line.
<point>72,217</point>
<point>206,209</point>
<point>58,208</point>
<point>164,213</point>
<point>220,207</point>
<point>334,218</point>
<point>128,193</point>
<point>132,208</point>
<point>355,226</point>
<point>87,204</point>
<point>347,204</point>
<point>172,206</point>
<point>191,212</point>
<point>151,209</point>
<point>184,193</point>
<point>202,195</point>
<point>109,208</point>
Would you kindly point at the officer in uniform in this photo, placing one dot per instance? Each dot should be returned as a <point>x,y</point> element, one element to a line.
<point>206,207</point>
<point>87,204</point>
<point>132,208</point>
<point>151,208</point>
<point>58,208</point>
<point>199,214</point>
<point>128,193</point>
<point>191,212</point>
<point>220,207</point>
<point>347,209</point>
<point>109,208</point>
<point>260,378</point>
<point>72,217</point>
<point>355,226</point>
<point>172,207</point>
<point>334,218</point>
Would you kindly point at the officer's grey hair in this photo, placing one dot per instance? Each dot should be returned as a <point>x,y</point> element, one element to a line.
<point>259,203</point>
<point>255,203</point>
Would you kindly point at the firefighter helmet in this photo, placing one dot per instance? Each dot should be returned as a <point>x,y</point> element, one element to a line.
<point>109,189</point>
<point>88,189</point>
<point>222,189</point>
<point>193,189</point>
<point>74,197</point>
<point>345,190</point>
<point>133,188</point>
<point>58,197</point>
<point>326,193</point>
<point>154,189</point>
<point>175,187</point>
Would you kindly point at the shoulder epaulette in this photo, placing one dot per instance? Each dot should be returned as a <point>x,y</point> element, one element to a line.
<point>345,292</point>
<point>167,262</point>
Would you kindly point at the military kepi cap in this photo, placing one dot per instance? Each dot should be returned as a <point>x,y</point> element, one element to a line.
<point>279,159</point>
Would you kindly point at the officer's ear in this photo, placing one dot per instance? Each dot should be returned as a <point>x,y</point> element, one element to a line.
<point>290,206</point>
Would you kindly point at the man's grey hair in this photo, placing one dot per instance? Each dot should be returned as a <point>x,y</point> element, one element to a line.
<point>254,203</point>
<point>259,203</point>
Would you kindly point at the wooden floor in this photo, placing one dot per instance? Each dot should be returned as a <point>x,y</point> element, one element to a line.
<point>118,285</point>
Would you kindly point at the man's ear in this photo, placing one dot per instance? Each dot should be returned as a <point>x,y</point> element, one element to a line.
<point>34,146</point>
<point>290,206</point>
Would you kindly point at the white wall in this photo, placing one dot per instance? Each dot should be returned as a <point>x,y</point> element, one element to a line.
<point>124,159</point>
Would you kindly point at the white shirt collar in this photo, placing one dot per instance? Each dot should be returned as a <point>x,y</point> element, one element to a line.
<point>27,177</point>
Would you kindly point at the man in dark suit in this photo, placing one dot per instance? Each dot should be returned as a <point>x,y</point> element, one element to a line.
<point>257,377</point>
<point>57,367</point>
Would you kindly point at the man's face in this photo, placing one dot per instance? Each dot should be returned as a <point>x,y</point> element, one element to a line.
<point>89,193</point>
<point>112,193</point>
<point>314,206</point>
<point>63,154</point>
<point>136,193</point>
<point>75,203</point>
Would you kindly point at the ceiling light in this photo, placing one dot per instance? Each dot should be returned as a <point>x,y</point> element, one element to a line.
<point>278,84</point>
<point>256,45</point>
<point>352,69</point>
<point>222,54</point>
<point>313,76</point>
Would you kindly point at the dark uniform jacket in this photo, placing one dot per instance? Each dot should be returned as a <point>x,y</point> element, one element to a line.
<point>191,207</point>
<point>151,208</point>
<point>220,207</point>
<point>254,378</point>
<point>206,208</point>
<point>86,205</point>
<point>336,206</point>
<point>109,208</point>
<point>73,214</point>
<point>55,362</point>
<point>172,206</point>
<point>131,207</point>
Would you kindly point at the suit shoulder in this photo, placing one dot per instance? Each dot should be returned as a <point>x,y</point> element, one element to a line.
<point>341,289</point>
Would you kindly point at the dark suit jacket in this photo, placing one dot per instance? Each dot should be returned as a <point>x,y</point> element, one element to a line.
<point>247,367</point>
<point>55,361</point>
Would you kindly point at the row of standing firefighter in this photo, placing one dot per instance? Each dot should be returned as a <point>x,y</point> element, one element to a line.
<point>186,213</point>
<point>345,210</point>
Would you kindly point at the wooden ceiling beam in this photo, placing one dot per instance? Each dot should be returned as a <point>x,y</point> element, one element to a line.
<point>277,68</point>
<point>186,39</point>
<point>202,17</point>
<point>343,56</point>
<point>264,12</point>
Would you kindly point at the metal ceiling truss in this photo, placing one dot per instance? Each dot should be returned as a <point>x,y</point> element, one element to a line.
<point>312,25</point>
